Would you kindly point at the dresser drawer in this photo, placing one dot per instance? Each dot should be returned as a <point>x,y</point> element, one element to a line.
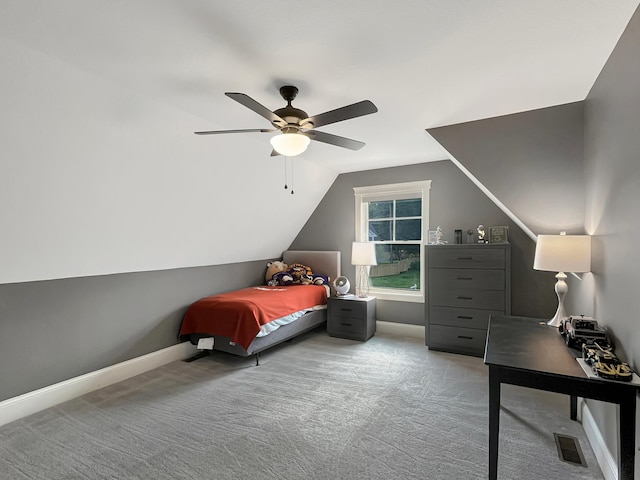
<point>465,257</point>
<point>469,341</point>
<point>458,278</point>
<point>467,298</point>
<point>461,317</point>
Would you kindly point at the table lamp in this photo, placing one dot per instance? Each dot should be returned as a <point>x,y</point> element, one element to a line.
<point>363,255</point>
<point>562,253</point>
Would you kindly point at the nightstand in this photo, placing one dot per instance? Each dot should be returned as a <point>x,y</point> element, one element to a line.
<point>351,317</point>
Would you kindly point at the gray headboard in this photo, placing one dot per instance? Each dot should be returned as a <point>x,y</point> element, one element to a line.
<point>321,262</point>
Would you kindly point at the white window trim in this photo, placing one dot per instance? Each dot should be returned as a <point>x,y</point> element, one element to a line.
<point>362,196</point>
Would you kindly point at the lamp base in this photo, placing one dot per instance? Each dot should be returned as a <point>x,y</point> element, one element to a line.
<point>557,319</point>
<point>362,281</point>
<point>561,290</point>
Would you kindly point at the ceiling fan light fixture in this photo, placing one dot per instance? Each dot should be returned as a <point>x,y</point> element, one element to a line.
<point>290,144</point>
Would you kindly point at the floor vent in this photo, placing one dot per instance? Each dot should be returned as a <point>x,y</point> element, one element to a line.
<point>569,449</point>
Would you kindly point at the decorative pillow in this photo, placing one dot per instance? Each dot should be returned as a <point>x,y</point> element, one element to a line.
<point>298,274</point>
<point>320,280</point>
<point>281,278</point>
<point>302,274</point>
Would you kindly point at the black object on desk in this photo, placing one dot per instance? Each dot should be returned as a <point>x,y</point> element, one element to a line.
<point>529,353</point>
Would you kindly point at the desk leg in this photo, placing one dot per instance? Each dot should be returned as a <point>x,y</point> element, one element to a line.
<point>627,439</point>
<point>494,421</point>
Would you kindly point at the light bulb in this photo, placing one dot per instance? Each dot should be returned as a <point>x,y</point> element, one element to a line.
<point>290,144</point>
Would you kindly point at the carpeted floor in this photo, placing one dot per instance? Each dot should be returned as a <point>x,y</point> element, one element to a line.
<point>318,408</point>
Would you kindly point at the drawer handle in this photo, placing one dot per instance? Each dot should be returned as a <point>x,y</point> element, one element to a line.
<point>465,258</point>
<point>464,317</point>
<point>464,278</point>
<point>464,298</point>
<point>464,337</point>
<point>345,309</point>
<point>345,324</point>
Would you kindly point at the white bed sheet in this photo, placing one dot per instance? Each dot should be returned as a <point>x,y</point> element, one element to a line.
<point>273,325</point>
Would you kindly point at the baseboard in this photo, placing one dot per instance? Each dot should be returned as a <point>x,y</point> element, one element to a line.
<point>400,329</point>
<point>607,462</point>
<point>32,402</point>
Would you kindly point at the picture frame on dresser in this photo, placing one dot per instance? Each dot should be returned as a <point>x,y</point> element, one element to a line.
<point>466,284</point>
<point>499,234</point>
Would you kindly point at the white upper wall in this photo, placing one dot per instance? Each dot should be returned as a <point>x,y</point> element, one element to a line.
<point>95,180</point>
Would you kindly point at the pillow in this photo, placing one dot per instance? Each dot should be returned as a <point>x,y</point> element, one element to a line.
<point>280,279</point>
<point>320,280</point>
<point>302,274</point>
<point>298,274</point>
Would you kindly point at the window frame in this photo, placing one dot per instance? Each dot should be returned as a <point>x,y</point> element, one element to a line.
<point>394,191</point>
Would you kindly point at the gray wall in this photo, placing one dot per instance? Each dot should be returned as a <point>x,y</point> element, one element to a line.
<point>612,198</point>
<point>54,330</point>
<point>455,203</point>
<point>531,161</point>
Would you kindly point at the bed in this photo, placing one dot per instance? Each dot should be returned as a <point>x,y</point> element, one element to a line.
<point>205,318</point>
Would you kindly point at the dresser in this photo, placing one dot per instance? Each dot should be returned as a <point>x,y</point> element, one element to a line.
<point>466,284</point>
<point>351,317</point>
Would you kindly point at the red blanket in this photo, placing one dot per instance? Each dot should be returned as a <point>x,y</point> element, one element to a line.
<point>241,313</point>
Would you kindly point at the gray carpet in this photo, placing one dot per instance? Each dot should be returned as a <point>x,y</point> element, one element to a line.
<point>318,408</point>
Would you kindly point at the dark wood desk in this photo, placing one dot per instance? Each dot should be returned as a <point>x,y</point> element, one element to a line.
<point>529,353</point>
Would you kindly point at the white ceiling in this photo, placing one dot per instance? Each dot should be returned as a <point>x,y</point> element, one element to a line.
<point>424,63</point>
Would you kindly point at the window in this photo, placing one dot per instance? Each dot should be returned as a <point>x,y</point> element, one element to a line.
<point>396,218</point>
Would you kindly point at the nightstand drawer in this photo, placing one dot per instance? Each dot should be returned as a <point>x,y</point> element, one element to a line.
<point>346,326</point>
<point>457,278</point>
<point>476,257</point>
<point>467,298</point>
<point>347,309</point>
<point>461,317</point>
<point>457,339</point>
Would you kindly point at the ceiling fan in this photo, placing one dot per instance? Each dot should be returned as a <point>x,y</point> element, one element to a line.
<point>296,127</point>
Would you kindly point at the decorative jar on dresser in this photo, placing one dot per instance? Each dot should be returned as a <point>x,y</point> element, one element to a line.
<point>466,284</point>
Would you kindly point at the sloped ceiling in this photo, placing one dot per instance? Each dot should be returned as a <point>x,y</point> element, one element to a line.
<point>101,172</point>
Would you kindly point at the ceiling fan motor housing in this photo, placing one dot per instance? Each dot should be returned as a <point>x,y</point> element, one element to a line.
<point>291,115</point>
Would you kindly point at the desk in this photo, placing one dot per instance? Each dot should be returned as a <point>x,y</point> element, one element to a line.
<point>529,353</point>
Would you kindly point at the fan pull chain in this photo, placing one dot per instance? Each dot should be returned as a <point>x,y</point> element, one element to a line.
<point>286,187</point>
<point>285,173</point>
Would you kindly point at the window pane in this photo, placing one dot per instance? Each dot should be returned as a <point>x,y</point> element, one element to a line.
<point>380,209</point>
<point>398,267</point>
<point>409,208</point>
<point>380,231</point>
<point>409,229</point>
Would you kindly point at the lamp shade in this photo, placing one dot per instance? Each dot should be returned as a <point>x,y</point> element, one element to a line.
<point>563,253</point>
<point>363,253</point>
<point>290,144</point>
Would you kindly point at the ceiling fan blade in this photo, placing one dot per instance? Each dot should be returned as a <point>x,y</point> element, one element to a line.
<point>359,109</point>
<point>274,153</point>
<point>260,109</point>
<point>334,140</point>
<point>215,132</point>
